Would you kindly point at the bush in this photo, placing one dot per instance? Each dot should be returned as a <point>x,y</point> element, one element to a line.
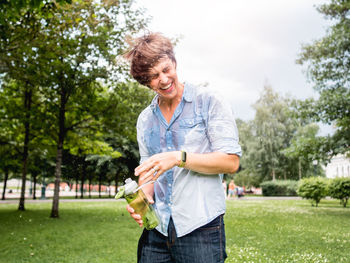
<point>279,188</point>
<point>313,188</point>
<point>339,188</point>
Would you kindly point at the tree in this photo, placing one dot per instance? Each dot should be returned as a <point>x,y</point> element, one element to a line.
<point>9,133</point>
<point>19,114</point>
<point>246,175</point>
<point>20,35</point>
<point>80,45</point>
<point>303,147</point>
<point>118,110</point>
<point>121,110</point>
<point>14,9</point>
<point>266,136</point>
<point>327,61</point>
<point>9,164</point>
<point>67,51</point>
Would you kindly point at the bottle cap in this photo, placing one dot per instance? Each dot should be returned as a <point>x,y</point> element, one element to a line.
<point>130,186</point>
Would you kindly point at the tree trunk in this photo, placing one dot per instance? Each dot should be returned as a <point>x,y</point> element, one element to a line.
<point>34,188</point>
<point>55,201</point>
<point>82,188</point>
<point>90,182</point>
<point>109,188</point>
<point>99,184</point>
<point>27,106</point>
<point>83,171</point>
<point>299,166</point>
<point>58,168</point>
<point>273,175</point>
<point>5,184</point>
<point>76,186</point>
<point>116,181</point>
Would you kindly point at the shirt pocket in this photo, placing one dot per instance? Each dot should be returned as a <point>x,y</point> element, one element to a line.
<point>152,140</point>
<point>192,131</point>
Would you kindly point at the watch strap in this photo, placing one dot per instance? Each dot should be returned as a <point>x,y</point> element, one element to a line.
<point>183,159</point>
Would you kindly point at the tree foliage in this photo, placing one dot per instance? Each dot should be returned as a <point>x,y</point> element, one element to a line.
<point>264,138</point>
<point>272,142</point>
<point>66,55</point>
<point>328,66</point>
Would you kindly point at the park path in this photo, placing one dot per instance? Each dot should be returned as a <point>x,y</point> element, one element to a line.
<point>246,198</point>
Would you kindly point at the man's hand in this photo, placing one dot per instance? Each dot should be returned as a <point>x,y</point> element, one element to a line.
<point>149,191</point>
<point>156,165</point>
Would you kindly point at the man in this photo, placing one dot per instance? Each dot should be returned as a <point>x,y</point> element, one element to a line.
<point>187,136</point>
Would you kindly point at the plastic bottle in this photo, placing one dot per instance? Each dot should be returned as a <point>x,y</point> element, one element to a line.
<point>139,202</point>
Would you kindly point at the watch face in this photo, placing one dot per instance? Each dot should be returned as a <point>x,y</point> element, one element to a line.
<point>183,156</point>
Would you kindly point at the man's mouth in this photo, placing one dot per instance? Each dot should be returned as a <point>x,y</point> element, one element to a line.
<point>167,87</point>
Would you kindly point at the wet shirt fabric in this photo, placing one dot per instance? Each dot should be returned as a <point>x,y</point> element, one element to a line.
<point>202,123</point>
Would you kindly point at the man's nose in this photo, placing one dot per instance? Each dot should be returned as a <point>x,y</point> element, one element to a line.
<point>163,78</point>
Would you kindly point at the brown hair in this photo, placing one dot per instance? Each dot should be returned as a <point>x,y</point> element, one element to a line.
<point>146,53</point>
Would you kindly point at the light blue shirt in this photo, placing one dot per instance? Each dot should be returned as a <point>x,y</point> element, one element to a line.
<point>202,123</point>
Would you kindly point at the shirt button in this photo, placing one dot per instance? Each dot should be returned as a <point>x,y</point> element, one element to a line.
<point>169,185</point>
<point>169,147</point>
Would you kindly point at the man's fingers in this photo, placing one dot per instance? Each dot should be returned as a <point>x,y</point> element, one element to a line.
<point>150,198</point>
<point>135,216</point>
<point>144,167</point>
<point>151,175</point>
<point>130,209</point>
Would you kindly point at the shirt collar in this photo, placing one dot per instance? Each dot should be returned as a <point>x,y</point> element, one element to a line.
<point>188,92</point>
<point>154,102</point>
<point>187,96</point>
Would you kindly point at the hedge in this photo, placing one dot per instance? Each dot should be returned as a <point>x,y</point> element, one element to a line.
<point>339,188</point>
<point>279,188</point>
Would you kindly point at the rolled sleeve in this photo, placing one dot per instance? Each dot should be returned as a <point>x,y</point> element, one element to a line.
<point>144,154</point>
<point>222,128</point>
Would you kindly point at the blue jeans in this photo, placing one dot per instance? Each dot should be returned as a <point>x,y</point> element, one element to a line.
<point>204,245</point>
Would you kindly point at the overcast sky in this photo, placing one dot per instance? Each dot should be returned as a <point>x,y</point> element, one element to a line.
<point>239,45</point>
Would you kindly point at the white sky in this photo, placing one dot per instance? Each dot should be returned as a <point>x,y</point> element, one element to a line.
<point>239,45</point>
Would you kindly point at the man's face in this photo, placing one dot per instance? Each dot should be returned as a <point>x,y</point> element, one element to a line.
<point>164,79</point>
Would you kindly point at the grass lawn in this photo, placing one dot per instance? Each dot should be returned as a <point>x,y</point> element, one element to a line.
<point>256,231</point>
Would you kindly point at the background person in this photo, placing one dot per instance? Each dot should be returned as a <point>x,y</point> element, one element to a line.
<point>187,136</point>
<point>231,189</point>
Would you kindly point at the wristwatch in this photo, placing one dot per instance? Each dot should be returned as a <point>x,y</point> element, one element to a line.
<point>183,159</point>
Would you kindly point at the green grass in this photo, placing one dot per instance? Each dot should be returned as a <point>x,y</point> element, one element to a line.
<point>287,231</point>
<point>256,231</point>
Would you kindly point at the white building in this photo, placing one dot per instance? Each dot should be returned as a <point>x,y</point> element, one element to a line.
<point>339,166</point>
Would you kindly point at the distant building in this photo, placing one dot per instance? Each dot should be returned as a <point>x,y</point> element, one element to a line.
<point>339,166</point>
